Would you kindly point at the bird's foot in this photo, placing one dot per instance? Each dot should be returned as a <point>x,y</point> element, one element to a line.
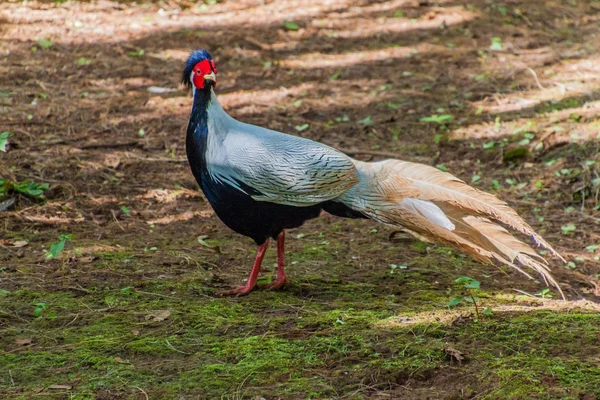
<point>240,291</point>
<point>278,283</point>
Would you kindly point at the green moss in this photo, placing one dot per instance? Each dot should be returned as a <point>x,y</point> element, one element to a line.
<point>321,337</point>
<point>569,102</point>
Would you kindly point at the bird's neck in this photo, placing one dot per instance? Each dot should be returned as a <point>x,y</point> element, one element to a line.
<point>208,126</point>
<point>207,117</point>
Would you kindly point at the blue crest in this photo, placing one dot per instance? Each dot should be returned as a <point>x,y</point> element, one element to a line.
<point>195,57</point>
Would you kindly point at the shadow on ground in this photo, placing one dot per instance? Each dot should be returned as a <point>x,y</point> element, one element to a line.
<point>127,310</point>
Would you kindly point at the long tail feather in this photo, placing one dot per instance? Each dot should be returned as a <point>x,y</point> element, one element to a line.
<point>437,206</point>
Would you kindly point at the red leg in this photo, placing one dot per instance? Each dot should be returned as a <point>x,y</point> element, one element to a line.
<point>281,278</point>
<point>249,286</point>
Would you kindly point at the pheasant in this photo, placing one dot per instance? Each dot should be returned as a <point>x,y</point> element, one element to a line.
<point>261,182</point>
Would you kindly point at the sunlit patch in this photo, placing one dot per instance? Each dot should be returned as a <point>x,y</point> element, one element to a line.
<point>346,28</point>
<point>567,79</point>
<point>167,196</point>
<point>186,216</point>
<point>388,6</point>
<point>319,60</point>
<point>172,54</point>
<point>262,97</point>
<point>103,200</point>
<point>119,26</point>
<point>342,94</point>
<point>564,126</point>
<point>447,317</point>
<point>51,220</point>
<point>97,248</point>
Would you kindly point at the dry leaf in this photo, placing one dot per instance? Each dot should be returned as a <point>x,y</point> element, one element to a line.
<point>85,260</point>
<point>60,387</point>
<point>121,361</point>
<point>135,332</point>
<point>23,342</point>
<point>454,354</point>
<point>16,243</point>
<point>112,160</point>
<point>158,315</point>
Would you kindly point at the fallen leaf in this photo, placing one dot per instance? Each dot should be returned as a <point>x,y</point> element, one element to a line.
<point>23,342</point>
<point>16,244</point>
<point>85,260</point>
<point>112,160</point>
<point>60,387</point>
<point>135,332</point>
<point>158,315</point>
<point>454,354</point>
<point>121,361</point>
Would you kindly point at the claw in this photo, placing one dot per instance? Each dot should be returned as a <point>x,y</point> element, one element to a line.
<point>278,283</point>
<point>237,292</point>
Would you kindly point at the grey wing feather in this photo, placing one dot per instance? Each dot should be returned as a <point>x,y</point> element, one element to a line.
<point>285,169</point>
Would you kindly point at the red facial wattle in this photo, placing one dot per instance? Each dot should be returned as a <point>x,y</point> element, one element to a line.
<point>201,69</point>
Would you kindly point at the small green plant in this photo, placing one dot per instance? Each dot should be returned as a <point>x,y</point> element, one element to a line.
<point>58,247</point>
<point>26,188</point>
<point>468,287</point>
<point>496,44</point>
<point>45,44</point>
<point>83,61</point>
<point>394,267</point>
<point>367,121</point>
<point>441,120</point>
<point>4,140</point>
<point>291,26</point>
<point>41,310</point>
<point>138,53</point>
<point>545,294</point>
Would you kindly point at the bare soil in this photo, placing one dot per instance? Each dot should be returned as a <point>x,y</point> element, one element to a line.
<point>90,93</point>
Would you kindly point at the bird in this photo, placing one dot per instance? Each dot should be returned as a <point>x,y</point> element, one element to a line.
<point>261,182</point>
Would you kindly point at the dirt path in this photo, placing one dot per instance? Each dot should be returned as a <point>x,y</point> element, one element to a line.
<point>91,97</point>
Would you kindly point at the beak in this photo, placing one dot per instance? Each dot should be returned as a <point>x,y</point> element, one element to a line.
<point>211,77</point>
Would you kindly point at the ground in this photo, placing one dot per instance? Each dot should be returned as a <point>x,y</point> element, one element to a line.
<point>500,93</point>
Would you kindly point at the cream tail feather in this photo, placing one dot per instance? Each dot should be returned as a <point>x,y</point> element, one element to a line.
<point>436,206</point>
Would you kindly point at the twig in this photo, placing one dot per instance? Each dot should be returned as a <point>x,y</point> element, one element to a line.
<point>537,81</point>
<point>116,220</point>
<point>526,294</point>
<point>260,45</point>
<point>142,390</point>
<point>174,349</point>
<point>74,319</point>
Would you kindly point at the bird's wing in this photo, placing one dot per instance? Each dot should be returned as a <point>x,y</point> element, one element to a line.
<point>284,169</point>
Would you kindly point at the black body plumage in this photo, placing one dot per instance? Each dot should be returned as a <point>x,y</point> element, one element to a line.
<point>258,220</point>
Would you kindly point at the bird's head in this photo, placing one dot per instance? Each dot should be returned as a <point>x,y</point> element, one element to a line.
<point>200,71</point>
